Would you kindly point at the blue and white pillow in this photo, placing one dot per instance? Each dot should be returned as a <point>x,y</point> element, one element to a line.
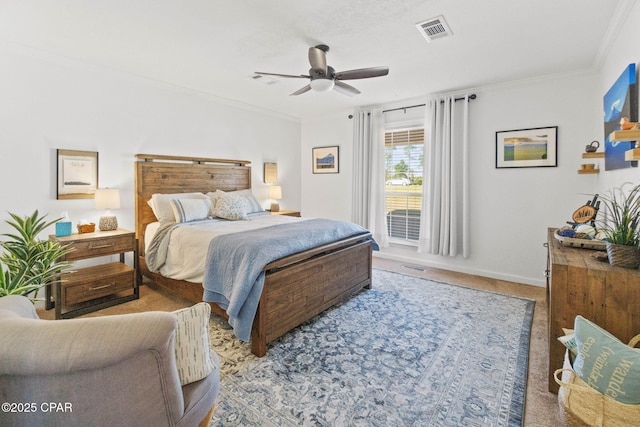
<point>187,210</point>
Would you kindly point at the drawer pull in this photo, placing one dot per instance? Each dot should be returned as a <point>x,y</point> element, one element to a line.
<point>102,287</point>
<point>108,245</point>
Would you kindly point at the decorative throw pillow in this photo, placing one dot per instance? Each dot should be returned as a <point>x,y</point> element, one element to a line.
<point>605,363</point>
<point>251,203</point>
<point>161,204</point>
<point>231,207</point>
<point>193,357</point>
<point>186,210</point>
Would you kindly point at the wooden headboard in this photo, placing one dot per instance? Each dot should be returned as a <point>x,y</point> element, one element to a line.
<point>178,174</point>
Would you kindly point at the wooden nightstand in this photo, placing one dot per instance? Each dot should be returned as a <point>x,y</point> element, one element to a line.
<point>98,286</point>
<point>287,213</point>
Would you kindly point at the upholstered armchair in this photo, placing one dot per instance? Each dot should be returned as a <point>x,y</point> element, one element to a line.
<point>103,371</point>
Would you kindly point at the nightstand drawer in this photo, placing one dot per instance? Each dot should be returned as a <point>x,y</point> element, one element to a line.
<point>101,246</point>
<point>95,282</point>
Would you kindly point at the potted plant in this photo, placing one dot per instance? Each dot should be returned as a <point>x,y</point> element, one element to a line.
<point>28,263</point>
<point>620,225</point>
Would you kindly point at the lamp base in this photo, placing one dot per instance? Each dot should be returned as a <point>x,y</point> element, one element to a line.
<point>275,207</point>
<point>108,223</point>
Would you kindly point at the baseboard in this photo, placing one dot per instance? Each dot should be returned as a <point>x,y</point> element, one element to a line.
<point>416,264</point>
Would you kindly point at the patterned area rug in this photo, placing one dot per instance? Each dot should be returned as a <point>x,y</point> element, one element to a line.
<point>409,352</point>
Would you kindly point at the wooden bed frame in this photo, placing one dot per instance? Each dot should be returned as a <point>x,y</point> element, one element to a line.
<point>297,287</point>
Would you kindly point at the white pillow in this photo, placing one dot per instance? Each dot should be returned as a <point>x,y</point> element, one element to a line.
<point>253,205</point>
<point>161,204</point>
<point>193,357</point>
<point>231,207</point>
<point>186,210</point>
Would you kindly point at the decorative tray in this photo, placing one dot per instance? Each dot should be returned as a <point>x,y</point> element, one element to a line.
<point>599,245</point>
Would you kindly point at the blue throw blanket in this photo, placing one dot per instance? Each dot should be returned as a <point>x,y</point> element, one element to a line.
<point>233,275</point>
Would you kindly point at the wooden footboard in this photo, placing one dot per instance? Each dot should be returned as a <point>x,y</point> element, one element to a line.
<point>298,292</point>
<point>297,287</point>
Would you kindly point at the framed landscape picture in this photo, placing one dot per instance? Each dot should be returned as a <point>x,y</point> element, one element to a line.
<point>527,148</point>
<point>326,159</point>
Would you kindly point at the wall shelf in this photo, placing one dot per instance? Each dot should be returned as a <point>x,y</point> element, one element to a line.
<point>594,155</point>
<point>627,135</point>
<point>633,154</point>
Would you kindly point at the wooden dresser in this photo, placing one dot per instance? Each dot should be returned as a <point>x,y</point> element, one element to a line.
<point>577,283</point>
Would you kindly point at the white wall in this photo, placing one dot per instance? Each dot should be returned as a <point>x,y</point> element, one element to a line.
<point>511,208</point>
<point>51,102</point>
<point>327,195</point>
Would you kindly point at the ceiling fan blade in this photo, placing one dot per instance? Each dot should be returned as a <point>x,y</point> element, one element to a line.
<point>345,89</point>
<point>307,88</point>
<point>362,73</point>
<point>318,60</point>
<point>300,76</point>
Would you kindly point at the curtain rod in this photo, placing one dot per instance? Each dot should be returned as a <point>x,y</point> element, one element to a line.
<point>472,96</point>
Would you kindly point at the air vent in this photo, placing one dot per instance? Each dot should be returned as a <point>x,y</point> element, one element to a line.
<point>434,28</point>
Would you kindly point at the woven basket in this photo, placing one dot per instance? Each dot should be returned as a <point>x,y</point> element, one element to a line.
<point>86,228</point>
<point>623,256</point>
<point>584,406</point>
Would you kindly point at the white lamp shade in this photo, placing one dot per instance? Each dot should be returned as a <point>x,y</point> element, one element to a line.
<point>107,198</point>
<point>322,85</point>
<point>275,192</point>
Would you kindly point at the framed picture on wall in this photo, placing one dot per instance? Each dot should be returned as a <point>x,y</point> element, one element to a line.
<point>77,174</point>
<point>527,148</point>
<point>326,159</point>
<point>270,173</point>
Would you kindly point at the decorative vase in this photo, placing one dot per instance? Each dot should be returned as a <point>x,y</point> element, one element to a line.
<point>623,256</point>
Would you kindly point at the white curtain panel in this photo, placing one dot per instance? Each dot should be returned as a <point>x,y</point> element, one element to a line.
<point>368,208</point>
<point>444,226</point>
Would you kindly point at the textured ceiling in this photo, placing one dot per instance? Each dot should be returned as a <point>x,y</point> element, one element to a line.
<point>215,46</point>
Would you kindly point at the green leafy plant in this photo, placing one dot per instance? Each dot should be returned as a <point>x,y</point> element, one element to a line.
<point>28,263</point>
<point>622,215</point>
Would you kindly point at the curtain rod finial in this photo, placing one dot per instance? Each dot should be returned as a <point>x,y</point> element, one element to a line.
<point>350,116</point>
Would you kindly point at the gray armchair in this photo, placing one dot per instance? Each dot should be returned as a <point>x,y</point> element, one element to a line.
<point>112,371</point>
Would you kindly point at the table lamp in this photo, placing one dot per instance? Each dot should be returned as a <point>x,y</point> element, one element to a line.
<point>107,198</point>
<point>275,193</point>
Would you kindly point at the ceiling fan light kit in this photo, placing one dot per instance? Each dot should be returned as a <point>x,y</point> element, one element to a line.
<point>322,85</point>
<point>324,78</point>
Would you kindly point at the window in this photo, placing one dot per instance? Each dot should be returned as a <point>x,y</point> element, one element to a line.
<point>403,177</point>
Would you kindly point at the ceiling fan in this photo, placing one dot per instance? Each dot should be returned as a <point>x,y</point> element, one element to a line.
<point>324,78</point>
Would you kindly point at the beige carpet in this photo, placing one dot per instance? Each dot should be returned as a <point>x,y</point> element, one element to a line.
<point>541,406</point>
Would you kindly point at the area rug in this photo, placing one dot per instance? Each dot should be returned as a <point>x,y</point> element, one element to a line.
<point>409,352</point>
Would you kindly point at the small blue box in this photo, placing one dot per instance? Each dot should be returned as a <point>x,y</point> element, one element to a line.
<point>63,229</point>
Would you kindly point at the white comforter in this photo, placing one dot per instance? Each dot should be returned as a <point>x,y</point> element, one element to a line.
<point>188,243</point>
